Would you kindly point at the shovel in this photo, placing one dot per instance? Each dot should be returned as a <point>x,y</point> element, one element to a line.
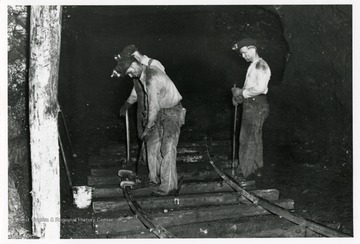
<point>82,195</point>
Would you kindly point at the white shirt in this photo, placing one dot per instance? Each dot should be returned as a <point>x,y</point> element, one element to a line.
<point>257,78</point>
<point>145,60</point>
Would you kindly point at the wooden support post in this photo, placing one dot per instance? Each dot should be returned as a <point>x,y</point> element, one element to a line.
<point>45,30</point>
<point>182,217</point>
<point>189,200</point>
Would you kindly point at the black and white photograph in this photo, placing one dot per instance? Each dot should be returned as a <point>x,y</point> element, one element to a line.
<point>200,121</point>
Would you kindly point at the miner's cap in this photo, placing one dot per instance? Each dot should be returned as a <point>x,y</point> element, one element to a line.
<point>128,51</point>
<point>124,64</point>
<point>125,59</point>
<point>244,43</point>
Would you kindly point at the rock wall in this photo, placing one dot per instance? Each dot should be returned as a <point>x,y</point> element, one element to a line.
<point>313,104</point>
<point>19,201</point>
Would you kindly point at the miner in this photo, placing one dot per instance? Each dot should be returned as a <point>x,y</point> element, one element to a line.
<point>255,109</point>
<point>137,94</point>
<point>165,116</point>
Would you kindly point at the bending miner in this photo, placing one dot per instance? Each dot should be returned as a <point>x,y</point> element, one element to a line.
<point>137,94</point>
<point>165,116</point>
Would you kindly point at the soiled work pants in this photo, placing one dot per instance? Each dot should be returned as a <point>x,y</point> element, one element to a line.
<point>255,111</point>
<point>161,148</point>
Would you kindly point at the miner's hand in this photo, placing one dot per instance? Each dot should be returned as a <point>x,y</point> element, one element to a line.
<point>123,109</point>
<point>236,91</point>
<point>145,134</point>
<point>237,100</point>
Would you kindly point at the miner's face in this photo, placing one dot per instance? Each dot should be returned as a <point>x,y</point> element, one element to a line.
<point>134,70</point>
<point>248,53</point>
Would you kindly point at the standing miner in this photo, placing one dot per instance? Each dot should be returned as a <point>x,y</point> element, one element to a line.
<point>164,119</point>
<point>137,93</point>
<point>255,108</point>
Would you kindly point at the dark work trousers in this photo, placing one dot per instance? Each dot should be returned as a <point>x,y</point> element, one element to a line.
<point>255,111</point>
<point>161,147</point>
<point>140,116</point>
<point>141,106</point>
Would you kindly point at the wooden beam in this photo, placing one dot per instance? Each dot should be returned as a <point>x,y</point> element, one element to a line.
<point>103,180</point>
<point>186,188</point>
<point>267,226</point>
<point>182,217</point>
<point>181,167</point>
<point>120,159</point>
<point>115,146</point>
<point>121,150</point>
<point>116,160</point>
<point>217,143</point>
<point>45,35</point>
<point>188,200</point>
<point>187,176</point>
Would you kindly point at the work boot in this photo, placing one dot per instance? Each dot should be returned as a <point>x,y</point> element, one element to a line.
<point>154,183</point>
<point>240,179</point>
<point>251,177</point>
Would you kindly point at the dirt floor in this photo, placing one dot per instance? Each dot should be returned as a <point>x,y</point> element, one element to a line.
<point>321,193</point>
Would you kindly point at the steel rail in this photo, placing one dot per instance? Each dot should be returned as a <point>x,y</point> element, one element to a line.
<point>271,207</point>
<point>158,230</point>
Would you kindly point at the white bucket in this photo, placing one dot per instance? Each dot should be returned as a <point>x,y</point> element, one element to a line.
<point>82,196</point>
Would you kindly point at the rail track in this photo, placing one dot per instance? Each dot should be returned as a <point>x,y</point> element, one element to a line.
<point>209,203</point>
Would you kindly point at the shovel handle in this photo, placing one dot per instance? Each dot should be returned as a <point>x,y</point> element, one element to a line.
<point>234,144</point>
<point>68,174</point>
<point>127,136</point>
<point>234,141</point>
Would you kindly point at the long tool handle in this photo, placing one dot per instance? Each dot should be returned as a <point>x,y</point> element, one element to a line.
<point>68,174</point>
<point>142,155</point>
<point>67,132</point>
<point>234,141</point>
<point>127,136</point>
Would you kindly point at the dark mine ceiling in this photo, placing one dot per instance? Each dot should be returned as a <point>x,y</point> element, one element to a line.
<point>192,42</point>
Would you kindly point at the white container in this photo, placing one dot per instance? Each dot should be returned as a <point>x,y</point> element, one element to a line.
<point>82,196</point>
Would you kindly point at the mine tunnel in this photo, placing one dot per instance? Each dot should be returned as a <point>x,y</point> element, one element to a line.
<point>307,137</point>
